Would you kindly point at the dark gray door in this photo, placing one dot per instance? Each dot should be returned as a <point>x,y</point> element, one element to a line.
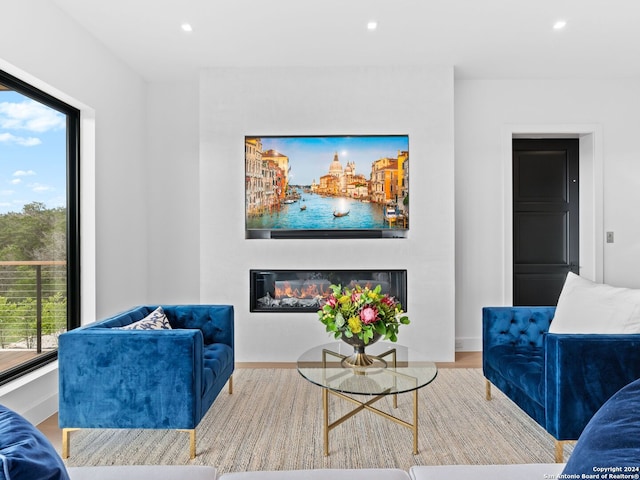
<point>545,218</point>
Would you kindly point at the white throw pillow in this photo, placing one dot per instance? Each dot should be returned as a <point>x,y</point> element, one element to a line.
<point>156,320</point>
<point>588,307</point>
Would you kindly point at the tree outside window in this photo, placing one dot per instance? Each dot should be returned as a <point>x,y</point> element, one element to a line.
<point>39,266</point>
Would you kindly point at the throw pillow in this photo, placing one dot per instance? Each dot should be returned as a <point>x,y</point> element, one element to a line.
<point>25,453</point>
<point>156,320</point>
<point>588,307</point>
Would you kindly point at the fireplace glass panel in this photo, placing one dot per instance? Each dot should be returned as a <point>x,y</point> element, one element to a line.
<point>306,290</point>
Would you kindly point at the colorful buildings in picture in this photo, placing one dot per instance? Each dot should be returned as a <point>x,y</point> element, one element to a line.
<point>266,178</point>
<point>268,174</point>
<point>342,182</point>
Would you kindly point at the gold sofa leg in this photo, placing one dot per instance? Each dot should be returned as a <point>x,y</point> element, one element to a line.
<point>487,389</point>
<point>192,442</point>
<point>559,451</point>
<point>230,384</point>
<point>65,441</point>
<point>67,431</point>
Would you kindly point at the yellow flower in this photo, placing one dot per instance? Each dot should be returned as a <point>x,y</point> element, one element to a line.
<point>355,325</point>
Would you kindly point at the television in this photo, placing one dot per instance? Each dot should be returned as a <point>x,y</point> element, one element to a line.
<point>327,186</point>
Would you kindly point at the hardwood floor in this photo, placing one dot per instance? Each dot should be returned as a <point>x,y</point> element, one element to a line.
<point>12,358</point>
<point>463,360</point>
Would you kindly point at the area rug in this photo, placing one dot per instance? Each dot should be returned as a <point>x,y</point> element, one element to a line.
<point>273,421</point>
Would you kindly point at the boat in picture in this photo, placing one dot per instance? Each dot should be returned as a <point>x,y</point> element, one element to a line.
<point>390,213</point>
<point>340,214</point>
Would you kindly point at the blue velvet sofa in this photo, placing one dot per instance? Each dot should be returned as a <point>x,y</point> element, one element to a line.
<point>559,380</point>
<point>26,454</point>
<point>112,376</point>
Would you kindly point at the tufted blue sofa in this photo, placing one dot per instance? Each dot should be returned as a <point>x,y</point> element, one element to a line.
<point>559,380</point>
<point>161,379</point>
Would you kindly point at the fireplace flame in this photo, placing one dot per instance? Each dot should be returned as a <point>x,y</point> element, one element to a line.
<point>310,290</point>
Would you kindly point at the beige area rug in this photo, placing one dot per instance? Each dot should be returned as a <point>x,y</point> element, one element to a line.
<point>273,421</point>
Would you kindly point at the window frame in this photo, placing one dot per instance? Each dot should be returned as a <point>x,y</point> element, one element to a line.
<point>73,216</point>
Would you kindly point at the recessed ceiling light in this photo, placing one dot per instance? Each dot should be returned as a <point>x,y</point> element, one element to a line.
<point>187,27</point>
<point>372,25</point>
<point>559,25</point>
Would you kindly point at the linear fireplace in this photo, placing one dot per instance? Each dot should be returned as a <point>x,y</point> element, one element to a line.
<point>305,290</point>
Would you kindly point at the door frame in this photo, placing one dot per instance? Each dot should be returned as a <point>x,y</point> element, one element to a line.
<point>591,230</point>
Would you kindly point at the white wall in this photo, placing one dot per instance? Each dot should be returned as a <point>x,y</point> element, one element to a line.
<point>484,110</point>
<point>348,100</point>
<point>172,175</point>
<point>45,47</point>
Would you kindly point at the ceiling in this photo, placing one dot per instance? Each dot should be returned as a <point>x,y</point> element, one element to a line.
<point>480,38</point>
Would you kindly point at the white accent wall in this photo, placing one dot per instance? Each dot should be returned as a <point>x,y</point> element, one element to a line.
<point>417,101</point>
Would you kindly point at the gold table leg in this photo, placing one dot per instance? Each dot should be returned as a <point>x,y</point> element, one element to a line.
<point>366,406</point>
<point>415,422</point>
<point>325,407</point>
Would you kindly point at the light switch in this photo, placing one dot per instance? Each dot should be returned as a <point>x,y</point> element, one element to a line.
<point>609,237</point>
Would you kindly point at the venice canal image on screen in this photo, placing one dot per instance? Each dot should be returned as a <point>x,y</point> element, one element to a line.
<point>326,186</point>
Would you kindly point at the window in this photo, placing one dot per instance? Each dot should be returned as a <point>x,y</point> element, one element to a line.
<point>39,225</point>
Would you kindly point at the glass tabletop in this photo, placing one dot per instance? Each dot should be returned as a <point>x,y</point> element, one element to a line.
<point>399,369</point>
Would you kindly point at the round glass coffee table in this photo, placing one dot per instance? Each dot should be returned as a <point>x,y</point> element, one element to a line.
<point>397,369</point>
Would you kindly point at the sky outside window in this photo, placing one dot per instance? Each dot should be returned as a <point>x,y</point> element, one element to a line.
<point>32,153</point>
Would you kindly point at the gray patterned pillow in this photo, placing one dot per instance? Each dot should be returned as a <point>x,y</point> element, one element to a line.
<point>156,320</point>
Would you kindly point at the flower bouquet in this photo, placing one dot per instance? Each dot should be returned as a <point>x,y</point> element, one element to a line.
<point>362,313</point>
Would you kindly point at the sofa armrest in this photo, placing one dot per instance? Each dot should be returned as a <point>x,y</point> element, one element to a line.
<point>581,373</point>
<point>215,321</point>
<point>111,378</point>
<point>143,472</point>
<point>531,471</point>
<point>515,326</point>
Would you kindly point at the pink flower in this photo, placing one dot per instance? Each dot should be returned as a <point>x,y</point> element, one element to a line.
<point>368,315</point>
<point>388,301</point>
<point>355,296</point>
<point>332,301</point>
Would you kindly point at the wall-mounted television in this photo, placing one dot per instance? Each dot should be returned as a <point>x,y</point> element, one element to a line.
<point>327,186</point>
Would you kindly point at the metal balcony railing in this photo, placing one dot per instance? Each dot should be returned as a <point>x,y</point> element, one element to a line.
<point>33,304</point>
